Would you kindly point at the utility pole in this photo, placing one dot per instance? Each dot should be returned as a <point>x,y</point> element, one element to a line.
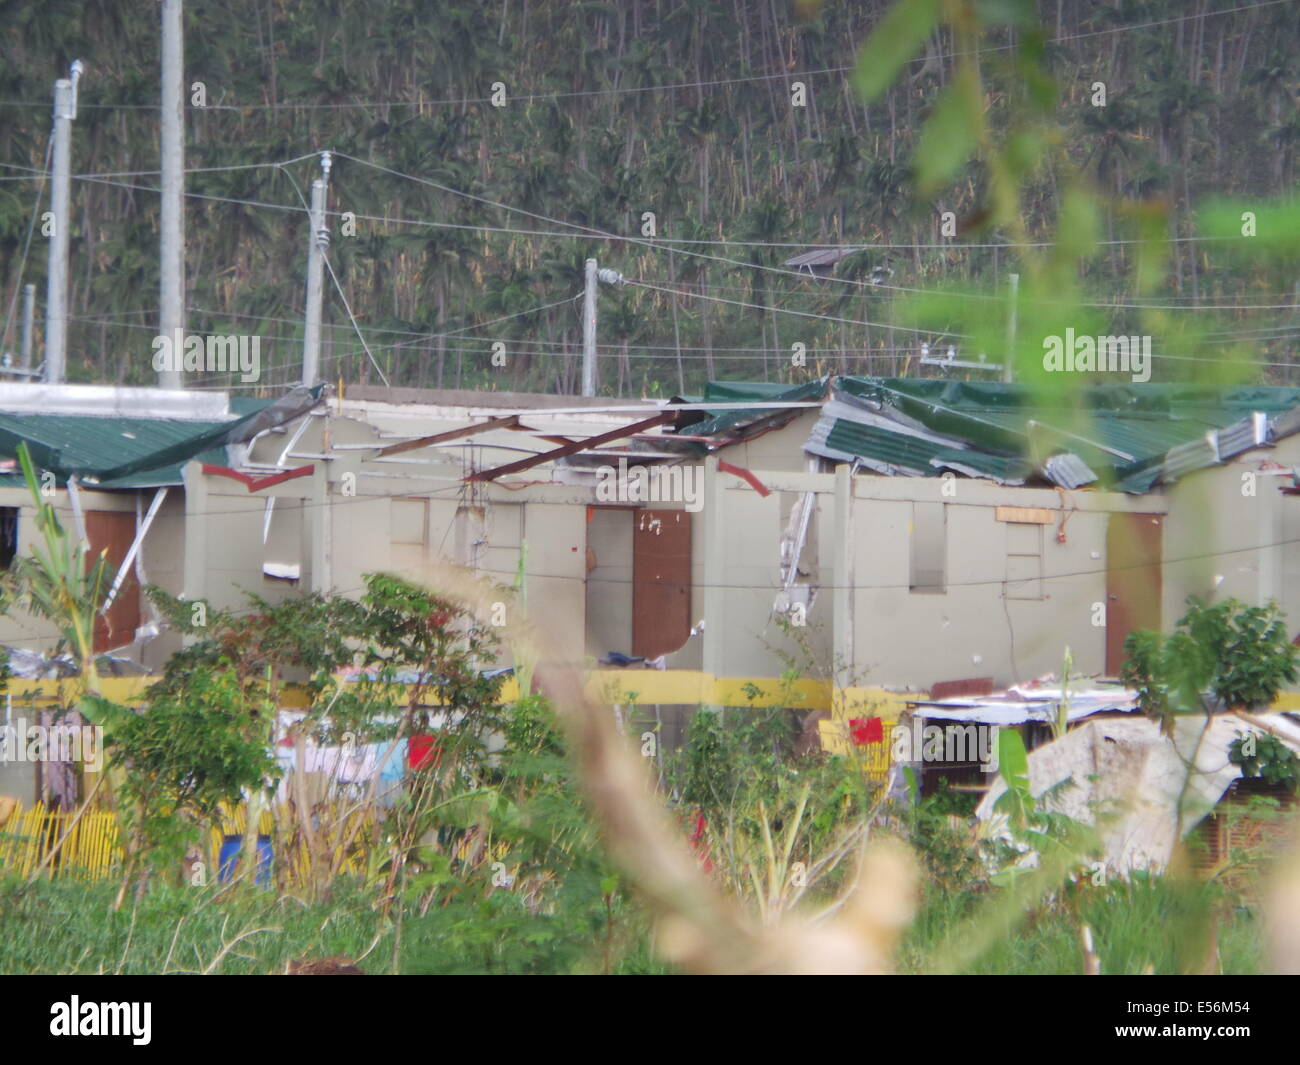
<point>1009,365</point>
<point>594,275</point>
<point>171,296</point>
<point>589,332</point>
<point>56,293</point>
<point>29,310</point>
<point>318,240</point>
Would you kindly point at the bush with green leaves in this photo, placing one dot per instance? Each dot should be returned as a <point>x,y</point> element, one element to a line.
<point>773,821</point>
<point>1221,656</point>
<point>180,756</point>
<point>206,728</point>
<point>546,898</point>
<point>938,826</point>
<point>1266,758</point>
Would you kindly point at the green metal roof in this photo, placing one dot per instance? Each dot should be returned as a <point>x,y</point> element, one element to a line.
<point>759,391</point>
<point>891,452</point>
<point>117,452</point>
<point>1132,435</point>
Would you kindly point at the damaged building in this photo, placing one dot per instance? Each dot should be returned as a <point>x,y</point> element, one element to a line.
<point>881,536</point>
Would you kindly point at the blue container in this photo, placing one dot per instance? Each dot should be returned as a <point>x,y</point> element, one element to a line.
<point>230,848</point>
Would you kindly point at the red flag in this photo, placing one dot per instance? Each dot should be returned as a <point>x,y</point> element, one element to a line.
<point>866,730</point>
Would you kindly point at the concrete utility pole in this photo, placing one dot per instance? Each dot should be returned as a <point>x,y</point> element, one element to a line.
<point>56,292</point>
<point>589,332</point>
<point>610,277</point>
<point>1009,365</point>
<point>171,266</point>
<point>29,311</point>
<point>318,241</point>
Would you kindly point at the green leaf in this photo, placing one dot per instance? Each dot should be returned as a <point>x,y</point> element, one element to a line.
<point>949,136</point>
<point>895,41</point>
<point>913,786</point>
<point>1012,759</point>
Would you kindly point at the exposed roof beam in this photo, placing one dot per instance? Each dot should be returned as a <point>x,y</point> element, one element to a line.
<point>510,421</point>
<point>573,447</point>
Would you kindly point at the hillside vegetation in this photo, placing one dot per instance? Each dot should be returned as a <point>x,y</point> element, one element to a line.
<point>612,110</point>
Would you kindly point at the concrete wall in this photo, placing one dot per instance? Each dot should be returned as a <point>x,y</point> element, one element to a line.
<point>779,449</point>
<point>1232,533</point>
<point>1012,597</point>
<point>737,598</point>
<point>1000,613</point>
<point>1010,600</point>
<point>609,583</point>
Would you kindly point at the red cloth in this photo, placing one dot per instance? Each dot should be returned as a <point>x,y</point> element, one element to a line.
<point>699,842</point>
<point>866,730</point>
<point>422,752</point>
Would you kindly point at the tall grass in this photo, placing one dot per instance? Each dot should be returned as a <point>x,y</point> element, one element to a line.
<point>1145,925</point>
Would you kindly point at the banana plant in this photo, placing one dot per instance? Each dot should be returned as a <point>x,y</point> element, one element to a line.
<point>60,581</point>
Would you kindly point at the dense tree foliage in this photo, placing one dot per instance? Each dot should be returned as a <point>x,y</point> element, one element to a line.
<point>612,110</point>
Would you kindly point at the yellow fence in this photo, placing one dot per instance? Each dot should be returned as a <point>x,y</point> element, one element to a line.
<point>340,842</point>
<point>29,837</point>
<point>342,837</point>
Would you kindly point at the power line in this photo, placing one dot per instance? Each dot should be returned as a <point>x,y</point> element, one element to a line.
<point>1280,332</point>
<point>661,244</point>
<point>785,310</point>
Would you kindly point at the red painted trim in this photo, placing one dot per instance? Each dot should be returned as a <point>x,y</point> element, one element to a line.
<point>757,485</point>
<point>256,484</point>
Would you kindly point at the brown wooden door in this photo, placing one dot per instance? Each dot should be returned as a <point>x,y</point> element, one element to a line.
<point>1133,580</point>
<point>661,581</point>
<point>114,531</point>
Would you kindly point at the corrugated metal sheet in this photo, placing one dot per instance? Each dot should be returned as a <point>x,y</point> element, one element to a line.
<point>114,450</point>
<point>1251,431</point>
<point>1068,470</point>
<point>76,443</point>
<point>1285,424</point>
<point>1007,469</point>
<point>1194,455</point>
<point>761,391</point>
<point>1128,436</point>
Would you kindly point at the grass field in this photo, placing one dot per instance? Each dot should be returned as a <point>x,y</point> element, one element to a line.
<point>62,928</point>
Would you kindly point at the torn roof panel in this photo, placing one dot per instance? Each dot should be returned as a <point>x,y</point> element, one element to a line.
<point>726,421</point>
<point>1068,470</point>
<point>1005,469</point>
<point>1129,437</point>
